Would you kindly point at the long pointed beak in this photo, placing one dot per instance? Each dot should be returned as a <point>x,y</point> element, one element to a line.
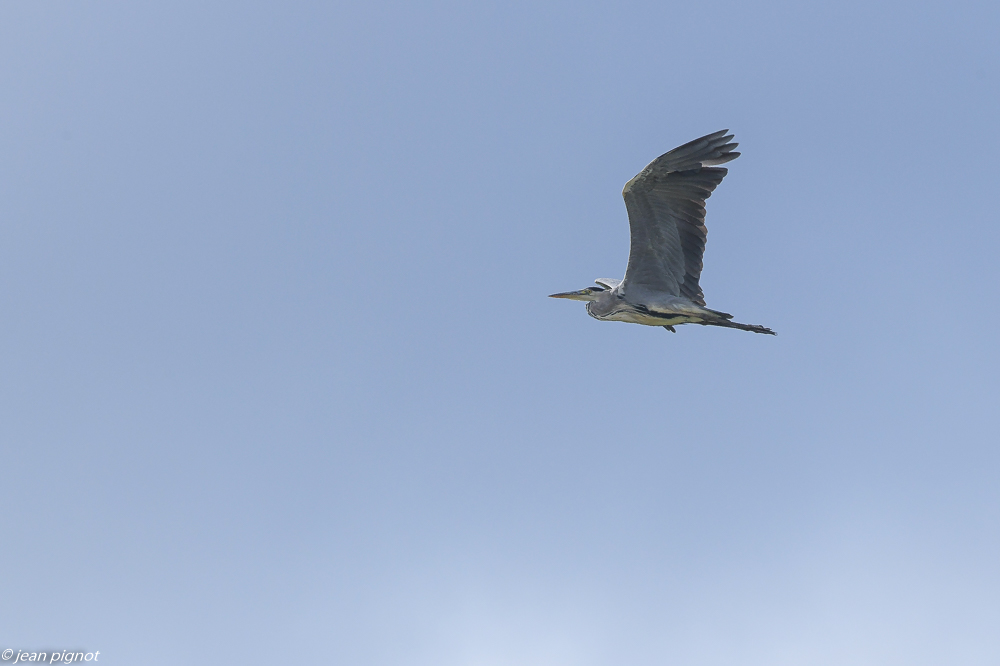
<point>582,295</point>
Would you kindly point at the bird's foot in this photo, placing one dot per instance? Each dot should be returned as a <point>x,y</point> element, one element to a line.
<point>671,329</point>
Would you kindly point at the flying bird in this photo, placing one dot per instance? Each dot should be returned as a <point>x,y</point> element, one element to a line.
<point>666,216</point>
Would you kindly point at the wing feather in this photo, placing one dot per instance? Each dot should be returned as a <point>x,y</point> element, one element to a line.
<point>666,212</point>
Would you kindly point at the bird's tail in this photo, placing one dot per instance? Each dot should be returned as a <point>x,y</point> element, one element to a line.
<point>724,315</point>
<point>743,327</point>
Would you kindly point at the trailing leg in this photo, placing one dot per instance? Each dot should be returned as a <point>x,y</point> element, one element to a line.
<point>754,328</point>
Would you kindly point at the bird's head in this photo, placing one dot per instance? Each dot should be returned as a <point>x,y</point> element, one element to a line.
<point>588,294</point>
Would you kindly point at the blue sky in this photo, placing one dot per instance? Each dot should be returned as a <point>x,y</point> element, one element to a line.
<point>279,380</point>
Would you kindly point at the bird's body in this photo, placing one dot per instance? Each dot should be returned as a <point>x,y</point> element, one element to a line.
<point>666,211</point>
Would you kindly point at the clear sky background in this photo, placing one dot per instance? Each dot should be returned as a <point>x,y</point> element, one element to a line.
<point>279,380</point>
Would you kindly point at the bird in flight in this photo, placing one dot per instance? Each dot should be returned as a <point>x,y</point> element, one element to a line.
<point>666,216</point>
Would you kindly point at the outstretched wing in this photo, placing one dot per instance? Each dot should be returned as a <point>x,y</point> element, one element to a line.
<point>666,215</point>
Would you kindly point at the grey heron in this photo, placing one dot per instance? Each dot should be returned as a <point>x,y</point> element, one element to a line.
<point>666,216</point>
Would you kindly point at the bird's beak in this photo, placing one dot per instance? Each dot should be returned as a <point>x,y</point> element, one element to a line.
<point>582,295</point>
